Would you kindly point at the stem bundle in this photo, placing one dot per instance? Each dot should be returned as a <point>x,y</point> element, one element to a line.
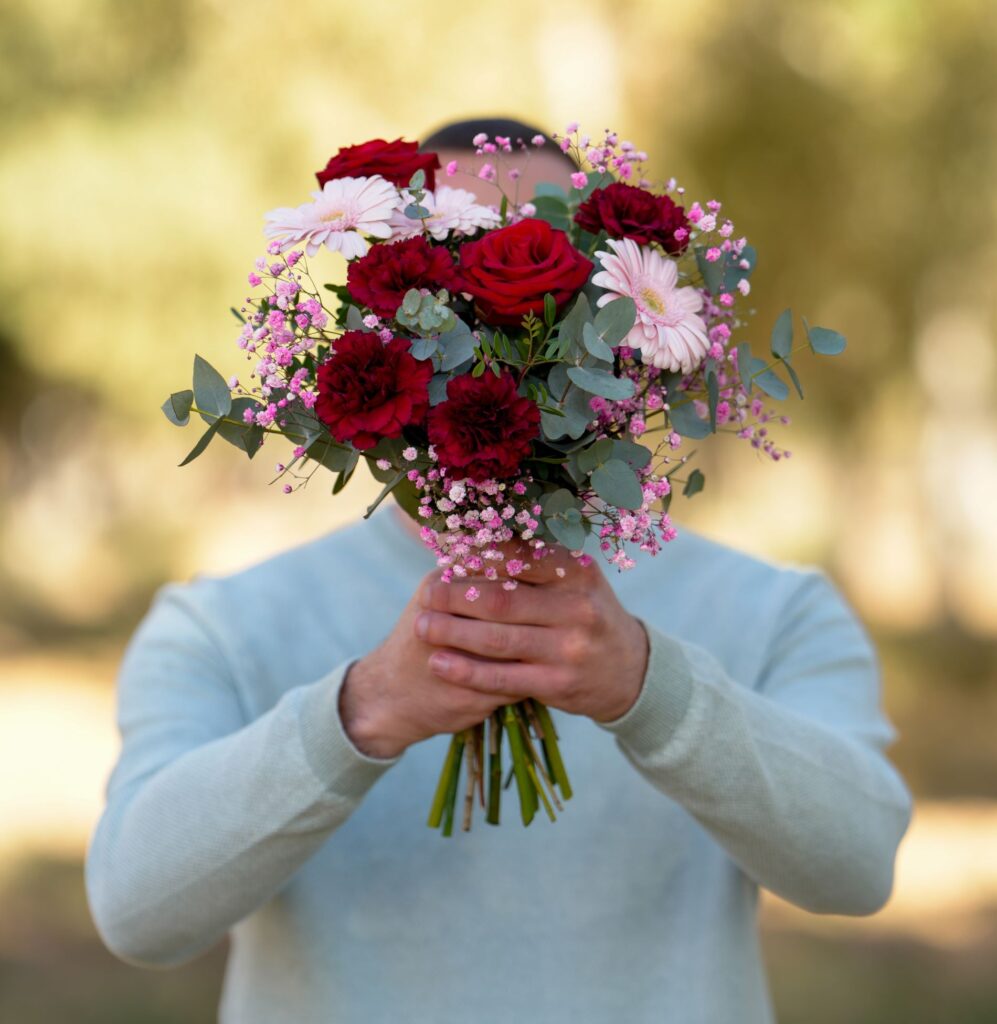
<point>536,766</point>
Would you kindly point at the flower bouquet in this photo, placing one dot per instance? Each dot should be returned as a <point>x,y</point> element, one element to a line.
<point>517,374</point>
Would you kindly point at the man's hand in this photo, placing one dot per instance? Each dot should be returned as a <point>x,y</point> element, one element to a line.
<point>391,699</point>
<point>561,636</point>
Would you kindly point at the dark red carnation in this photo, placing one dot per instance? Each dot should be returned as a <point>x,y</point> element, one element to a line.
<point>484,429</point>
<point>508,271</point>
<point>368,390</point>
<point>625,211</point>
<point>380,279</point>
<point>396,161</point>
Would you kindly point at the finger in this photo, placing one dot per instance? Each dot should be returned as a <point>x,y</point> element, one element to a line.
<point>512,679</point>
<point>487,639</point>
<point>526,605</point>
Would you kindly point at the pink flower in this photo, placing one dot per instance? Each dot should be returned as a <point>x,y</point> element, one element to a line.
<point>343,212</point>
<point>450,210</point>
<point>579,179</point>
<point>668,330</point>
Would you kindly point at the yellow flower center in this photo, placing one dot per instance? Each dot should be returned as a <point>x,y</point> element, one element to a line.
<point>333,216</point>
<point>652,300</point>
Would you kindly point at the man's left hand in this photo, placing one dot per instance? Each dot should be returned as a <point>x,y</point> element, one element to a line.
<point>561,636</point>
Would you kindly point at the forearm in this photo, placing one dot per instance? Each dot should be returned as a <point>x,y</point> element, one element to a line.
<point>180,856</point>
<point>810,813</point>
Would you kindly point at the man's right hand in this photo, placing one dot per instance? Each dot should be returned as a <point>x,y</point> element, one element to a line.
<point>390,699</point>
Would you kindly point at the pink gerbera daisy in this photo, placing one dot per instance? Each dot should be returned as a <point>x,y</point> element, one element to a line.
<point>343,212</point>
<point>668,330</point>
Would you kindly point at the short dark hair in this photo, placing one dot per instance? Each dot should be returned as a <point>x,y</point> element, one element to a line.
<point>458,134</point>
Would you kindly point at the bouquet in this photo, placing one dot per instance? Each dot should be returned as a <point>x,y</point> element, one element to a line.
<point>518,374</point>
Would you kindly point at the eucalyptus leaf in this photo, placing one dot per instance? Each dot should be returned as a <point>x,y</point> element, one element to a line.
<point>768,380</point>
<point>782,335</point>
<point>601,382</point>
<point>594,456</point>
<point>744,365</point>
<point>334,457</point>
<point>211,393</point>
<point>570,328</point>
<point>354,319</point>
<point>456,346</point>
<point>557,380</point>
<point>825,342</point>
<point>415,211</point>
<point>385,491</point>
<point>417,181</point>
<point>438,388</point>
<point>571,535</point>
<point>568,424</point>
<point>635,455</point>
<point>682,410</point>
<point>595,345</point>
<point>177,407</point>
<point>237,314</point>
<point>202,442</point>
<point>712,393</point>
<point>794,378</point>
<point>411,301</point>
<point>616,483</point>
<point>694,484</point>
<point>615,320</point>
<point>559,501</point>
<point>423,348</point>
<point>245,436</point>
<point>548,189</point>
<point>346,474</point>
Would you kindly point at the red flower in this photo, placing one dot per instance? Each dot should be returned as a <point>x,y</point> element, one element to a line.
<point>368,390</point>
<point>625,211</point>
<point>508,271</point>
<point>396,161</point>
<point>380,279</point>
<point>484,429</point>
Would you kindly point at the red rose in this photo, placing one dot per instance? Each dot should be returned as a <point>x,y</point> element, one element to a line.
<point>396,161</point>
<point>368,390</point>
<point>484,429</point>
<point>625,211</point>
<point>380,279</point>
<point>509,270</point>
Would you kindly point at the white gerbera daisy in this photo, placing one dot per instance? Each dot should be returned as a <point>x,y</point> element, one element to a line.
<point>343,212</point>
<point>668,331</point>
<point>450,210</point>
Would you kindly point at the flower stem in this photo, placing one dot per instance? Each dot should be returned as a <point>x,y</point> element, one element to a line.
<point>494,769</point>
<point>552,750</point>
<point>442,787</point>
<point>527,791</point>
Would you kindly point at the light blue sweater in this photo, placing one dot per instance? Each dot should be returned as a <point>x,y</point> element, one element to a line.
<point>752,757</point>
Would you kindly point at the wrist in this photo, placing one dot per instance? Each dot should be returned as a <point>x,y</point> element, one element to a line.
<point>632,678</point>
<point>360,717</point>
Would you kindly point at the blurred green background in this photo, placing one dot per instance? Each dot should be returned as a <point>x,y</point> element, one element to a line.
<point>853,142</point>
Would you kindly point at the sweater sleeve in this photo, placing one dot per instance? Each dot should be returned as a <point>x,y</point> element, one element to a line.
<point>790,775</point>
<point>207,816</point>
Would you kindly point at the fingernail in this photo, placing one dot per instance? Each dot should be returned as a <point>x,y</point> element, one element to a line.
<point>440,662</point>
<point>422,626</point>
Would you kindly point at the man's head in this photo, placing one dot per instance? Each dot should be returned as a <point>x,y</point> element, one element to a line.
<point>453,141</point>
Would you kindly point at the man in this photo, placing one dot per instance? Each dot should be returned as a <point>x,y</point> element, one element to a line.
<point>283,729</point>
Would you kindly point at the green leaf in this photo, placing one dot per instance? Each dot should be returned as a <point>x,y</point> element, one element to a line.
<point>211,393</point>
<point>595,455</point>
<point>768,380</point>
<point>548,189</point>
<point>415,211</point>
<point>423,348</point>
<point>694,484</point>
<point>385,491</point>
<point>682,412</point>
<point>595,345</point>
<point>346,474</point>
<point>635,455</point>
<point>412,301</point>
<point>824,341</point>
<point>554,211</point>
<point>571,535</point>
<point>237,314</point>
<point>202,442</point>
<point>417,181</point>
<point>559,501</point>
<point>557,380</point>
<point>615,482</point>
<point>177,407</point>
<point>712,392</point>
<point>601,382</point>
<point>782,335</point>
<point>794,378</point>
<point>354,319</point>
<point>724,274</point>
<point>245,436</point>
<point>567,424</point>
<point>333,457</point>
<point>550,309</point>
<point>615,320</point>
<point>595,179</point>
<point>438,388</point>
<point>744,365</point>
<point>456,345</point>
